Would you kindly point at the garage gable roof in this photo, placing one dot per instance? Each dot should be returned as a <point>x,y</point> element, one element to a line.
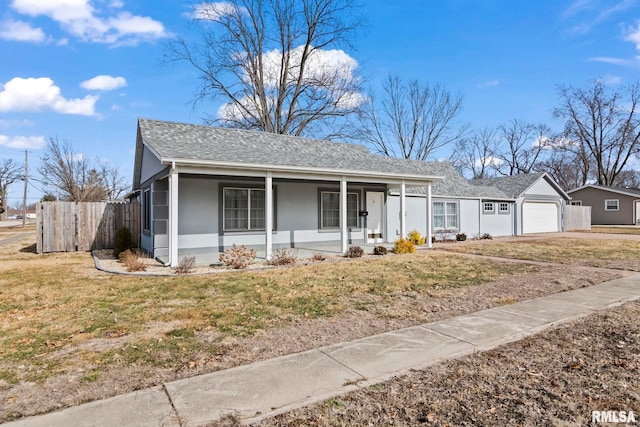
<point>516,185</point>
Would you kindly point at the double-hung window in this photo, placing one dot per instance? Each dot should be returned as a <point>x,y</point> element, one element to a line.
<point>330,209</point>
<point>445,215</point>
<point>244,209</point>
<point>611,205</point>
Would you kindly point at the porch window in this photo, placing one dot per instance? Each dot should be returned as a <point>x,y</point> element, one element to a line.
<point>445,215</point>
<point>611,205</point>
<point>146,210</point>
<point>330,209</point>
<point>487,207</point>
<point>244,209</point>
<point>503,207</point>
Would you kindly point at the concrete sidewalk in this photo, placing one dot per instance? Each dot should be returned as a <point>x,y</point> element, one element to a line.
<point>267,388</point>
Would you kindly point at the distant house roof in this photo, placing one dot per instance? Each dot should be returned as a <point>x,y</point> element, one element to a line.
<point>632,192</point>
<point>211,146</point>
<point>516,185</point>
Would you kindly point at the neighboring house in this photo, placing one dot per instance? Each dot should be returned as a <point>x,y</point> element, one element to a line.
<point>609,205</point>
<point>505,206</point>
<point>203,189</point>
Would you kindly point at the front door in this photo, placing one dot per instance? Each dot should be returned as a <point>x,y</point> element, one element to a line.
<point>375,217</point>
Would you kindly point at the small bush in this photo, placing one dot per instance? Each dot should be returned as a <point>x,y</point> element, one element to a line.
<point>461,237</point>
<point>122,241</point>
<point>185,265</point>
<point>283,257</point>
<point>317,256</point>
<point>486,236</point>
<point>403,246</point>
<point>354,252</point>
<point>417,238</point>
<point>380,250</point>
<point>131,261</point>
<point>238,257</point>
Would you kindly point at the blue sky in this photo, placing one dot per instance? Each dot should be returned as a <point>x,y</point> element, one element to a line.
<point>85,70</point>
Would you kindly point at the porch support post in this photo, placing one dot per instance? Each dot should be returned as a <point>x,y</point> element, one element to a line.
<point>403,210</point>
<point>344,231</point>
<point>429,219</point>
<point>268,215</point>
<point>173,217</point>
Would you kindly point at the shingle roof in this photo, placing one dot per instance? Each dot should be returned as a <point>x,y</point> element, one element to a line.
<point>512,186</point>
<point>628,191</point>
<point>180,141</point>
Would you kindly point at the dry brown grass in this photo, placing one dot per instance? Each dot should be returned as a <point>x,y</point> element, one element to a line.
<point>611,253</point>
<point>614,230</point>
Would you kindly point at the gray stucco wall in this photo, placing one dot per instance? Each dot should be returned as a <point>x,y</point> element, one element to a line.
<point>595,198</point>
<point>150,165</point>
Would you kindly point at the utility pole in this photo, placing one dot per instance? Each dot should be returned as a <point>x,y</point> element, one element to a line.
<point>26,182</point>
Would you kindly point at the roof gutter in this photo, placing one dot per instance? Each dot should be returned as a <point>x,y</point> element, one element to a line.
<point>320,171</point>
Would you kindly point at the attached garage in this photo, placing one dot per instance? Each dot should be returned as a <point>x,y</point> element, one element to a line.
<point>540,217</point>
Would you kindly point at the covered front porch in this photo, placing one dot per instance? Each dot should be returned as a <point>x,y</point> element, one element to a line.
<point>312,211</point>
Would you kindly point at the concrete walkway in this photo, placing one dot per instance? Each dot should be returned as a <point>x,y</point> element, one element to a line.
<point>267,388</point>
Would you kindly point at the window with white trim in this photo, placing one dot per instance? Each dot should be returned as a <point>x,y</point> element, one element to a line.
<point>243,209</point>
<point>611,205</point>
<point>330,209</point>
<point>503,208</point>
<point>445,215</point>
<point>146,209</point>
<point>488,208</point>
<point>575,202</point>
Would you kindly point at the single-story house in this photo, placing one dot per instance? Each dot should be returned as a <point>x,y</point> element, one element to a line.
<point>203,189</point>
<point>505,206</point>
<point>609,205</point>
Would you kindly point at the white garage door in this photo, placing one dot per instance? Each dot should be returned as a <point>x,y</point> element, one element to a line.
<point>540,217</point>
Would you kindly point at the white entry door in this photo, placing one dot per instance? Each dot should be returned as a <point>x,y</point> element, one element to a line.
<point>375,217</point>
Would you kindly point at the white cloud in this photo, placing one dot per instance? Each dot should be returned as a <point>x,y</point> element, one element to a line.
<point>104,82</point>
<point>488,161</point>
<point>610,80</point>
<point>213,11</point>
<point>23,142</point>
<point>81,19</point>
<point>489,83</point>
<point>633,35</point>
<point>21,31</point>
<point>35,94</point>
<point>609,60</point>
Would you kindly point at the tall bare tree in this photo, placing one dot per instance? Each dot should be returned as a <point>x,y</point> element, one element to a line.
<point>274,64</point>
<point>604,124</point>
<point>521,146</point>
<point>78,178</point>
<point>412,119</point>
<point>10,172</point>
<point>569,168</point>
<point>474,154</point>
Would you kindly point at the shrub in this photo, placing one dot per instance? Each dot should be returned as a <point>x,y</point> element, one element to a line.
<point>238,256</point>
<point>486,236</point>
<point>283,257</point>
<point>461,237</point>
<point>354,252</point>
<point>317,256</point>
<point>417,238</point>
<point>185,265</point>
<point>403,246</point>
<point>131,261</point>
<point>380,250</point>
<point>122,241</point>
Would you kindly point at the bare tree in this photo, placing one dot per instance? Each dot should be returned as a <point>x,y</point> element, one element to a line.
<point>10,172</point>
<point>569,168</point>
<point>412,120</point>
<point>521,146</point>
<point>274,64</point>
<point>77,177</point>
<point>604,124</point>
<point>475,154</point>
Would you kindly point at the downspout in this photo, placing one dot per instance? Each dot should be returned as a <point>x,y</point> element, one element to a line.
<point>479,217</point>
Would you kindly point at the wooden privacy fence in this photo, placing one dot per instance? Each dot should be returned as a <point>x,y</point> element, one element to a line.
<point>70,226</point>
<point>577,217</point>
